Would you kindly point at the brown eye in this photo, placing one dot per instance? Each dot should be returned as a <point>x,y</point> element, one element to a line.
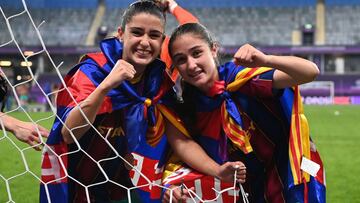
<point>155,36</point>
<point>180,60</point>
<point>196,53</point>
<point>136,33</point>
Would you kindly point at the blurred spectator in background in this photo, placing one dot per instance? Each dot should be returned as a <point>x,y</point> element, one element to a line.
<point>23,93</point>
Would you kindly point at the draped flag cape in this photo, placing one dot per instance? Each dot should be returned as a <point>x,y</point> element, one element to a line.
<point>244,118</point>
<point>128,124</point>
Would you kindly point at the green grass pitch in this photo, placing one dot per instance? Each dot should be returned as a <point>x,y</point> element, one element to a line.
<point>335,130</point>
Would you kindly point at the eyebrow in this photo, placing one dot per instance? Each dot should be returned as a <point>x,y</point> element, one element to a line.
<point>192,48</point>
<point>140,28</point>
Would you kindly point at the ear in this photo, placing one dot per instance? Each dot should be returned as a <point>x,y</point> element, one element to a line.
<point>215,49</point>
<point>120,33</point>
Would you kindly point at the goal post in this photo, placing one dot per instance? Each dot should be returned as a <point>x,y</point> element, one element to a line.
<point>318,92</point>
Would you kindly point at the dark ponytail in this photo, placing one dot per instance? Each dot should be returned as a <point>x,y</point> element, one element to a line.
<point>142,6</point>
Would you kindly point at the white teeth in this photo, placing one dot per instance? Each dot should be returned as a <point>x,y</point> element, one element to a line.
<point>143,52</point>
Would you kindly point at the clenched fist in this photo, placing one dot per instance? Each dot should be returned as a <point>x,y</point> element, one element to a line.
<point>121,71</point>
<point>249,56</point>
<point>227,172</point>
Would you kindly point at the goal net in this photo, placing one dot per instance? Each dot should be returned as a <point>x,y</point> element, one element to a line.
<point>20,173</point>
<point>318,92</point>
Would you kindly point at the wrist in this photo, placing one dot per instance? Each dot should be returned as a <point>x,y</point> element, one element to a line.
<point>216,172</point>
<point>269,61</point>
<point>9,123</point>
<point>104,87</point>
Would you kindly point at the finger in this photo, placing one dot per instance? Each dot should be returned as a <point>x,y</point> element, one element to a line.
<point>243,52</point>
<point>33,145</point>
<point>239,180</point>
<point>184,198</point>
<point>239,165</point>
<point>38,147</point>
<point>44,134</point>
<point>165,198</point>
<point>177,194</point>
<point>35,138</point>
<point>129,76</point>
<point>43,131</point>
<point>249,56</point>
<point>238,53</point>
<point>187,191</point>
<point>36,135</point>
<point>132,68</point>
<point>132,72</point>
<point>235,166</point>
<point>241,177</point>
<point>241,173</point>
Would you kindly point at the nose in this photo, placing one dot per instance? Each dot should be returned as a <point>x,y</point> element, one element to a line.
<point>191,64</point>
<point>145,41</point>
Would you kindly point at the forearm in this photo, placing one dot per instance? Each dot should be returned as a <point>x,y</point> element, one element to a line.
<point>182,16</point>
<point>9,122</point>
<point>90,107</point>
<point>190,152</point>
<point>194,156</point>
<point>291,70</point>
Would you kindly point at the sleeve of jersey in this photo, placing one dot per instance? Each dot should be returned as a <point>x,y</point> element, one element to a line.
<point>183,16</point>
<point>164,55</point>
<point>260,86</point>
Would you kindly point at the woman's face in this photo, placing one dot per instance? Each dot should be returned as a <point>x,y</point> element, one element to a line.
<point>142,39</point>
<point>195,61</point>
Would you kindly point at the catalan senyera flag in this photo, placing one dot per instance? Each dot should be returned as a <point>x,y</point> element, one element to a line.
<point>244,118</point>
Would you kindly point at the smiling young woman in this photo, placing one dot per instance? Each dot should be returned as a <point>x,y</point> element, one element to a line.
<point>248,109</point>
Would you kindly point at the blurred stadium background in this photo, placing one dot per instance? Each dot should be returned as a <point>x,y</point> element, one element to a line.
<point>324,31</point>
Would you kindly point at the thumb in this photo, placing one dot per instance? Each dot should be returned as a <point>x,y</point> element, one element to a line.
<point>239,165</point>
<point>43,131</point>
<point>236,61</point>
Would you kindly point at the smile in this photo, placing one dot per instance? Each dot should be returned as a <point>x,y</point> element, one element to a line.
<point>142,52</point>
<point>195,74</point>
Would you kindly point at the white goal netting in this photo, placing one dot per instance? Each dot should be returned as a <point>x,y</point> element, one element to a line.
<point>20,172</point>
